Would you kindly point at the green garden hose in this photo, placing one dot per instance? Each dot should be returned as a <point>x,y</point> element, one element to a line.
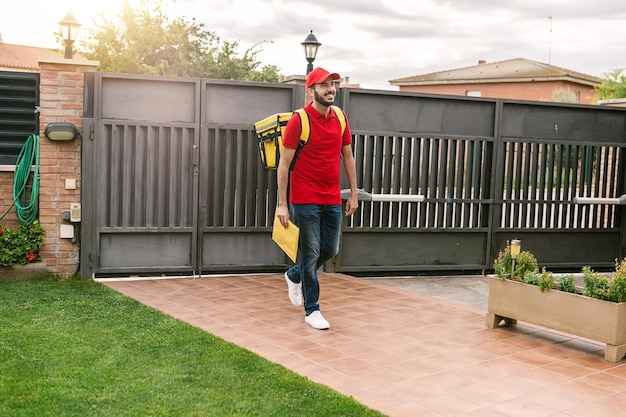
<point>27,206</point>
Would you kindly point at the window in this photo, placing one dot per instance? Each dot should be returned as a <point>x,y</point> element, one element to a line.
<point>19,99</point>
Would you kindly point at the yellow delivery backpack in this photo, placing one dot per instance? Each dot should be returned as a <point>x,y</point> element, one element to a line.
<point>270,131</point>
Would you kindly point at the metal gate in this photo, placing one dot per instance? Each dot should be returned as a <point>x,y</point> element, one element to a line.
<point>171,178</point>
<point>490,170</point>
<point>172,182</point>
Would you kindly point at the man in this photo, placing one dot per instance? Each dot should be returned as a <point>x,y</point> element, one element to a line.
<point>314,191</point>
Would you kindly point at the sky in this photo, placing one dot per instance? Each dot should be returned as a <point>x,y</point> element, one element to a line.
<point>370,42</point>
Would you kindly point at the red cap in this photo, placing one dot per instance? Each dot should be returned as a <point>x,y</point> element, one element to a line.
<point>319,75</point>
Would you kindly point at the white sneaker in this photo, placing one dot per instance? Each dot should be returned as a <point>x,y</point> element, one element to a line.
<point>295,291</point>
<point>317,321</point>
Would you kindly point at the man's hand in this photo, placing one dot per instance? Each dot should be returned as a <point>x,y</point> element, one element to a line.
<point>352,203</point>
<point>283,215</point>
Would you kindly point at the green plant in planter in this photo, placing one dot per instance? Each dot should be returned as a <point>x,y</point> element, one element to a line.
<point>566,283</point>
<point>617,285</point>
<point>544,280</point>
<point>524,263</point>
<point>21,245</point>
<point>596,284</point>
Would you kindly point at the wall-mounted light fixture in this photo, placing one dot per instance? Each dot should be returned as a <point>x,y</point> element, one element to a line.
<point>69,33</point>
<point>61,131</point>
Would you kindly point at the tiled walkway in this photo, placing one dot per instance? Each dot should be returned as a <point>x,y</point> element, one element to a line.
<point>397,351</point>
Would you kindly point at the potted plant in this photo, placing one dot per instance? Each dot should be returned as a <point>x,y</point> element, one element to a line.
<point>597,311</point>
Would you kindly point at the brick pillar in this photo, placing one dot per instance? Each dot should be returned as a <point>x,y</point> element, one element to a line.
<point>61,100</point>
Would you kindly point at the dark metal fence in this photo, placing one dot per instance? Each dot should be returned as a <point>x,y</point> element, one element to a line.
<point>176,184</point>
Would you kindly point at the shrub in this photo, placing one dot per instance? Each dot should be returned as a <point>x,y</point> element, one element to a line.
<point>617,285</point>
<point>524,263</point>
<point>566,284</point>
<point>532,278</point>
<point>544,280</point>
<point>596,285</point>
<point>20,246</point>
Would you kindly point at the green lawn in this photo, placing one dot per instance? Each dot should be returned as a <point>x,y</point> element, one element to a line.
<point>78,348</point>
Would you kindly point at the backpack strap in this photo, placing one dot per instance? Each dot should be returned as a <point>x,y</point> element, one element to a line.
<point>341,117</point>
<point>305,133</point>
<point>305,128</point>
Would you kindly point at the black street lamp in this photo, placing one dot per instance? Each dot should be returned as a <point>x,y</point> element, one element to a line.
<point>69,32</point>
<point>311,45</point>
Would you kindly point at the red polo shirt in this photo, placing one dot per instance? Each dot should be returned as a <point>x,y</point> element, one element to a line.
<point>315,178</point>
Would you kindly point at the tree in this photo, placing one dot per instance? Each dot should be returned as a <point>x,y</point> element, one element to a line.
<point>145,41</point>
<point>612,86</point>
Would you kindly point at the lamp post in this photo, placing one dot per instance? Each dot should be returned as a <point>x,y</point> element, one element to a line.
<point>311,45</point>
<point>69,31</point>
<point>516,247</point>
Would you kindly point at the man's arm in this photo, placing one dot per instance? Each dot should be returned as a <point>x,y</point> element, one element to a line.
<point>282,211</point>
<point>349,166</point>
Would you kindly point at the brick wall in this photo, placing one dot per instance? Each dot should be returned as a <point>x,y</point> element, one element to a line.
<point>61,100</point>
<point>7,174</point>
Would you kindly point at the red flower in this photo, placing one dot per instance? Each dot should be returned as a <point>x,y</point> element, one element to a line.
<point>30,256</point>
<point>1,232</point>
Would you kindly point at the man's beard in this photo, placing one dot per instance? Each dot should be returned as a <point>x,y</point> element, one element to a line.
<point>321,100</point>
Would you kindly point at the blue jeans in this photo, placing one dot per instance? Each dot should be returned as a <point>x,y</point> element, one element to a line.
<point>320,229</point>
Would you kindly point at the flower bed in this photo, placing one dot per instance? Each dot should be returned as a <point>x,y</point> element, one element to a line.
<point>21,246</point>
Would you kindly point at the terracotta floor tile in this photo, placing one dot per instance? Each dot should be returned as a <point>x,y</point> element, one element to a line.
<point>446,406</point>
<point>523,407</point>
<point>322,354</point>
<point>614,401</point>
<point>380,357</point>
<point>583,390</point>
<point>482,395</point>
<point>543,377</point>
<point>349,365</point>
<point>558,400</point>
<point>593,358</point>
<point>595,410</point>
<point>443,381</point>
<point>605,381</point>
<point>413,390</point>
<point>477,373</point>
<point>619,370</point>
<point>532,358</point>
<point>412,369</point>
<point>485,412</point>
<point>401,352</point>
<point>500,349</point>
<point>569,369</point>
<point>514,385</point>
<point>411,410</point>
<point>377,377</point>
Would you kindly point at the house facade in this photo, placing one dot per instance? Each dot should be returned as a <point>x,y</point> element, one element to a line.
<point>58,98</point>
<point>519,79</point>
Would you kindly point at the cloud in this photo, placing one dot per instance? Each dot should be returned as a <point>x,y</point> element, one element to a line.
<point>374,41</point>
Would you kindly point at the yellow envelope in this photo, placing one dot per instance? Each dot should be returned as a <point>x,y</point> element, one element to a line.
<point>286,238</point>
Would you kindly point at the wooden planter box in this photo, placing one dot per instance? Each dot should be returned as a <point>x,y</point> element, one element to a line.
<point>586,317</point>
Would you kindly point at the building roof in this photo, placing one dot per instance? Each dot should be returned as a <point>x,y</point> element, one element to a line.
<point>23,58</point>
<point>512,70</point>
